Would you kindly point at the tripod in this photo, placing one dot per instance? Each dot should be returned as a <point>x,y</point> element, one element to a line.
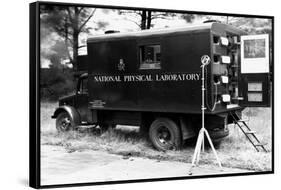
<point>200,140</point>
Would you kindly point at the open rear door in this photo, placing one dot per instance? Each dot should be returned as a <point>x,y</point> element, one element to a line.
<point>254,81</point>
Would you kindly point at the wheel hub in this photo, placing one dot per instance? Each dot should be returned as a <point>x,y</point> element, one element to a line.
<point>65,123</point>
<point>164,135</point>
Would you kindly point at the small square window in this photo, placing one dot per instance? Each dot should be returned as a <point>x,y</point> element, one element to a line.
<point>255,97</point>
<point>254,86</point>
<point>150,57</point>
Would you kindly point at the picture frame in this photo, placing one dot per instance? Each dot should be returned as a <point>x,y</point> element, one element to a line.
<point>258,88</point>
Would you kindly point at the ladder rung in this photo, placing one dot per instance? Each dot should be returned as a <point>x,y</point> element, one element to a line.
<point>250,132</point>
<point>260,144</point>
<point>246,130</point>
<point>243,120</point>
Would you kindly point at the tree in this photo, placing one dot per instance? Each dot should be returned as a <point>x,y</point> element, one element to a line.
<point>68,22</point>
<point>252,25</point>
<point>249,25</point>
<point>144,18</point>
<point>188,17</point>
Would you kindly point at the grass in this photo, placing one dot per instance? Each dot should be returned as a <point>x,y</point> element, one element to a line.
<point>234,151</point>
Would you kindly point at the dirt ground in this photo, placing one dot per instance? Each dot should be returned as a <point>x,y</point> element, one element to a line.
<point>61,167</point>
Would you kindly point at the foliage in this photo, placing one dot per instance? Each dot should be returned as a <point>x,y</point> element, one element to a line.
<point>247,24</point>
<point>188,17</point>
<point>68,22</point>
<point>251,25</point>
<point>144,18</point>
<point>55,83</point>
<point>54,52</point>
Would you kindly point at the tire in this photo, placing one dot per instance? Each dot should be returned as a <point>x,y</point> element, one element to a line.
<point>64,122</point>
<point>165,134</point>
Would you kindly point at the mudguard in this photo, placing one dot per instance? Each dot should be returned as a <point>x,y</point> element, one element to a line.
<point>75,116</point>
<point>186,129</point>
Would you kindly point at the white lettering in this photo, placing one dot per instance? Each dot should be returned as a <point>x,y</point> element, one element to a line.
<point>147,78</point>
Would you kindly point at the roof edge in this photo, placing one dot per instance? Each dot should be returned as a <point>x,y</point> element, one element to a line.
<point>150,32</point>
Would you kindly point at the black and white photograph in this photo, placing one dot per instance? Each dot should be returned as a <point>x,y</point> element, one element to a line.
<point>127,94</point>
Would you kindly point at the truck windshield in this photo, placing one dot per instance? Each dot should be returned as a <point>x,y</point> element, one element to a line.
<point>82,86</point>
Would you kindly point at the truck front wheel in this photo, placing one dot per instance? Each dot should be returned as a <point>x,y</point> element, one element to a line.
<point>64,122</point>
<point>165,134</point>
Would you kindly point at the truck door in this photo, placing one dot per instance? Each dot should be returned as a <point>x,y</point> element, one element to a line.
<point>81,102</point>
<point>254,80</point>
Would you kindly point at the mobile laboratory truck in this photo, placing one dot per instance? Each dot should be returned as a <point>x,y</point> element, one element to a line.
<point>152,79</point>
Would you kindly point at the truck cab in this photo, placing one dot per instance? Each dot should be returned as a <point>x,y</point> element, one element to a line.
<point>73,109</point>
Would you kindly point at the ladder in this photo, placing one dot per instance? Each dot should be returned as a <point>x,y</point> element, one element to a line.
<point>248,132</point>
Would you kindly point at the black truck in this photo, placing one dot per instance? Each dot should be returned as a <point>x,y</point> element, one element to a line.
<point>152,79</point>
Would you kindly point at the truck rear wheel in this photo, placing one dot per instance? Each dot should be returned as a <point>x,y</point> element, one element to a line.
<point>165,134</point>
<point>64,122</point>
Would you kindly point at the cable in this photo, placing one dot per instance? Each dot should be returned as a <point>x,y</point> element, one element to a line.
<point>216,97</point>
<point>206,91</point>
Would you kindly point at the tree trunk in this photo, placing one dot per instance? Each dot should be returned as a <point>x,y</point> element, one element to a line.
<point>75,37</point>
<point>75,50</point>
<point>143,20</point>
<point>148,25</point>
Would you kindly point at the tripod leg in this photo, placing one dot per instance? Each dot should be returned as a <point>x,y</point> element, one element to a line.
<point>197,147</point>
<point>196,155</point>
<point>201,144</point>
<point>213,148</point>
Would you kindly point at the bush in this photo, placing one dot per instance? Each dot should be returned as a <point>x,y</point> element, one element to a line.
<point>55,83</point>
